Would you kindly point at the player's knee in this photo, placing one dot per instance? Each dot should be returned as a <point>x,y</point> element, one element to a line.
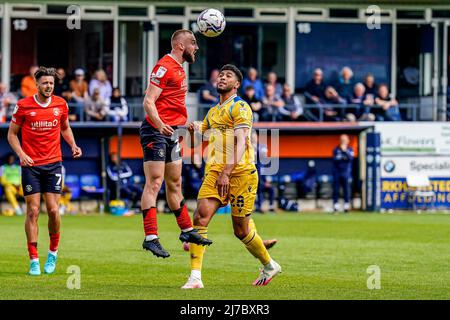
<point>240,232</point>
<point>173,186</point>
<point>202,215</point>
<point>33,212</point>
<point>53,211</point>
<point>153,186</point>
<point>201,221</point>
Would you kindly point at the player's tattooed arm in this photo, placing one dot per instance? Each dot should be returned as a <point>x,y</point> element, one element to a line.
<point>14,142</point>
<point>150,98</point>
<point>66,132</point>
<point>223,181</point>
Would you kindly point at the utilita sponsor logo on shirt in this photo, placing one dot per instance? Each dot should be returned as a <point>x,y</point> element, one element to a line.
<point>44,125</point>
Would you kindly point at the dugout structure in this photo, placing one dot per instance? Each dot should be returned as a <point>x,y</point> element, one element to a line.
<point>298,143</point>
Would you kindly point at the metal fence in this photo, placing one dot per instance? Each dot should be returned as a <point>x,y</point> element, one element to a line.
<point>311,112</point>
<point>413,111</point>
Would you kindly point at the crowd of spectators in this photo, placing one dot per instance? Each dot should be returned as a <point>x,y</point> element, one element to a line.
<point>270,100</point>
<point>347,100</point>
<point>343,100</point>
<point>95,100</point>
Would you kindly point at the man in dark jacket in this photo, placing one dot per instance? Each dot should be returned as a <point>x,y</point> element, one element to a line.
<point>342,172</point>
<point>123,172</point>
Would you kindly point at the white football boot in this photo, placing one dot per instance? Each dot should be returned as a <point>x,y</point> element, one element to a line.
<point>193,283</point>
<point>268,272</point>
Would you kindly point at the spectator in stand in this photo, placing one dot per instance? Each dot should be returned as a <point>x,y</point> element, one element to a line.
<point>315,88</point>
<point>271,104</point>
<point>208,92</point>
<point>7,99</point>
<point>254,103</point>
<point>62,85</point>
<point>79,94</point>
<point>127,189</point>
<point>28,84</point>
<point>292,109</point>
<point>345,84</point>
<point>370,85</point>
<point>333,98</point>
<point>252,79</point>
<point>358,95</point>
<point>95,107</point>
<point>117,107</point>
<point>101,82</point>
<point>272,79</point>
<point>79,86</point>
<point>361,105</point>
<point>389,105</point>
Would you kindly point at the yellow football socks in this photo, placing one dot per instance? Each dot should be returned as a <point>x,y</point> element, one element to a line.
<point>197,251</point>
<point>255,246</point>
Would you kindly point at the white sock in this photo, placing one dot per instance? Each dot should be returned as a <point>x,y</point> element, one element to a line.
<point>34,260</point>
<point>270,265</point>
<point>55,253</point>
<point>150,237</point>
<point>188,229</point>
<point>196,274</point>
<point>346,206</point>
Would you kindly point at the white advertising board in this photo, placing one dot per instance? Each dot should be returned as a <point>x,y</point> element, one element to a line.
<point>400,167</point>
<point>414,138</point>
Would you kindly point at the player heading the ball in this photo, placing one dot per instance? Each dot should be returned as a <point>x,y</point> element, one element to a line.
<point>165,108</point>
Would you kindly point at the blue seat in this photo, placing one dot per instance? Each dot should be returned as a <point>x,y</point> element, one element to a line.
<point>73,183</point>
<point>90,185</point>
<point>91,188</point>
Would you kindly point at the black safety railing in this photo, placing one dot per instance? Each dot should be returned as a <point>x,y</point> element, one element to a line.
<point>311,112</point>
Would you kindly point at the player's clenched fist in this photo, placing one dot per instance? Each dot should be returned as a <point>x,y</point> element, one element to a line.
<point>76,152</point>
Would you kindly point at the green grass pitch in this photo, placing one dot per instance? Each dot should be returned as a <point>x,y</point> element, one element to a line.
<point>323,256</point>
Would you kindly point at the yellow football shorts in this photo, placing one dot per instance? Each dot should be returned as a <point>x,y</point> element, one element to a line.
<point>242,193</point>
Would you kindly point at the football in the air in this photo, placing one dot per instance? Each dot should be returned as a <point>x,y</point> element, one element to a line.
<point>211,22</point>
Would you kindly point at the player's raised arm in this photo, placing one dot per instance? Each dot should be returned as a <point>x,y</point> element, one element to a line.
<point>66,132</point>
<point>151,95</point>
<point>14,142</point>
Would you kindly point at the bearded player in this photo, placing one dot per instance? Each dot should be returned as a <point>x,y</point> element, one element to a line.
<point>42,118</point>
<point>230,176</point>
<point>165,107</point>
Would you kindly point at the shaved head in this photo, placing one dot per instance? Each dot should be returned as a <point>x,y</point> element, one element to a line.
<point>180,36</point>
<point>183,41</point>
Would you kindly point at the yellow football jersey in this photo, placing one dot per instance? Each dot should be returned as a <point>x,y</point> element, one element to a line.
<point>218,126</point>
